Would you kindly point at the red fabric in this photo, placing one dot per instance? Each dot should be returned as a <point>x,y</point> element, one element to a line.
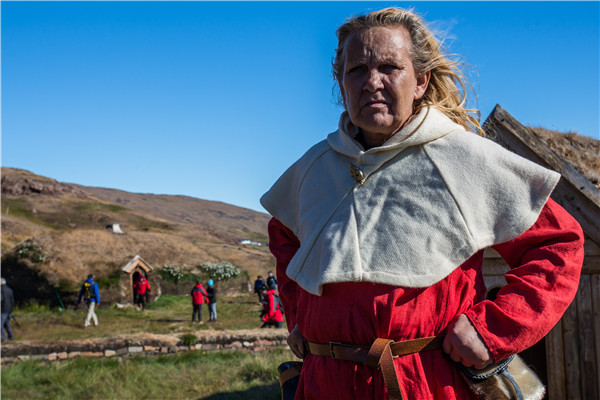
<point>199,295</point>
<point>141,286</point>
<point>546,262</point>
<point>272,311</point>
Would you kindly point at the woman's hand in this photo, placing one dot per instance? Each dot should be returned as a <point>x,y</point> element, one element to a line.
<point>297,343</point>
<point>464,345</point>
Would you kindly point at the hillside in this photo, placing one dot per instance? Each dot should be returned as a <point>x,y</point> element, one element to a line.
<point>70,222</point>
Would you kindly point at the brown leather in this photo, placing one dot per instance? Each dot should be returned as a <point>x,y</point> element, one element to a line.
<point>380,354</point>
<point>290,373</point>
<point>358,354</point>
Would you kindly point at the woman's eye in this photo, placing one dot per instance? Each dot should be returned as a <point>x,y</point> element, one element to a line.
<point>388,67</point>
<point>356,69</point>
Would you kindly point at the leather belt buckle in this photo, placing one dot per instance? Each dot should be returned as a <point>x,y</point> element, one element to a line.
<point>331,344</point>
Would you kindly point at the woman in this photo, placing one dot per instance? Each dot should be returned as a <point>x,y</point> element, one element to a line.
<point>379,230</point>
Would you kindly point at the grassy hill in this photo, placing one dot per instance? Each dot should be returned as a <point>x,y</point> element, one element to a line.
<point>64,228</point>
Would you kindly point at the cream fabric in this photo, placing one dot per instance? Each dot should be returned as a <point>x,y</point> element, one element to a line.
<point>433,195</point>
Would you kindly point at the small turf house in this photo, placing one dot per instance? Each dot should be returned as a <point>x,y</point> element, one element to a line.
<point>132,272</point>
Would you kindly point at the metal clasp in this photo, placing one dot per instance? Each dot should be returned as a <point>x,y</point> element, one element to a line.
<point>357,174</point>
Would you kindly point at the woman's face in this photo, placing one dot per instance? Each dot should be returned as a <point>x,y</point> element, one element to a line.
<point>379,84</point>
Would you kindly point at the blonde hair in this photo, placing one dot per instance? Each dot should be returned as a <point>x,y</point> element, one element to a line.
<point>426,55</point>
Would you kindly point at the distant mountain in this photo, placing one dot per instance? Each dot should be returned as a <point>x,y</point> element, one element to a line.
<point>70,225</point>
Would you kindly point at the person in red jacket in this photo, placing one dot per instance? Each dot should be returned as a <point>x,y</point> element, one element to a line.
<point>199,297</point>
<point>272,315</point>
<point>141,288</point>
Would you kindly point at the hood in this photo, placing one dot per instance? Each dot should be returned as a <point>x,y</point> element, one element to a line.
<point>429,124</point>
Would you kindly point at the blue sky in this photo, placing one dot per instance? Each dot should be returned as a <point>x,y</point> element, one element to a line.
<point>216,99</point>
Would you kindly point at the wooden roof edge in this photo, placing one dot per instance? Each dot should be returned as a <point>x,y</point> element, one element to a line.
<point>134,259</point>
<point>583,199</point>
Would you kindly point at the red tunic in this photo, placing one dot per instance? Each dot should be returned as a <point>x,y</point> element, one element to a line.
<point>546,262</point>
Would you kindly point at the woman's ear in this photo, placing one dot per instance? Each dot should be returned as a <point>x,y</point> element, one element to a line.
<point>422,83</point>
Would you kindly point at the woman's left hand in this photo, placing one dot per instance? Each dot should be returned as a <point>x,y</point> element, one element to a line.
<point>464,345</point>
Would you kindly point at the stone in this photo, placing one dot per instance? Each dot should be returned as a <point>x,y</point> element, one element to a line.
<point>164,350</point>
<point>52,356</point>
<point>247,344</point>
<point>135,349</point>
<point>62,356</point>
<point>109,353</point>
<point>74,354</point>
<point>121,351</point>
<point>23,358</point>
<point>150,349</point>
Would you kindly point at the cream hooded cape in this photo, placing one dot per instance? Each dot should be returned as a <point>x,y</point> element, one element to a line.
<point>430,197</point>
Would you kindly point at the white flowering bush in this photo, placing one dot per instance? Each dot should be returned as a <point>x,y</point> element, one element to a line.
<point>170,273</point>
<point>31,251</point>
<point>220,271</point>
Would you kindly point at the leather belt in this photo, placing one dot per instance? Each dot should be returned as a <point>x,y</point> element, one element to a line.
<point>380,354</point>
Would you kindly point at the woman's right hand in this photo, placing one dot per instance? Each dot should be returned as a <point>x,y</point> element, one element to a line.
<point>297,343</point>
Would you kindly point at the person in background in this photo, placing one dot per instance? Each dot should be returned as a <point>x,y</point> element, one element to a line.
<point>199,297</point>
<point>8,303</point>
<point>141,288</point>
<point>91,296</point>
<point>271,281</point>
<point>272,315</point>
<point>379,230</point>
<point>259,284</point>
<point>212,300</point>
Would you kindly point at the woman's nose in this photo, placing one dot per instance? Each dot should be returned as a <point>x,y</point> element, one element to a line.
<point>374,81</point>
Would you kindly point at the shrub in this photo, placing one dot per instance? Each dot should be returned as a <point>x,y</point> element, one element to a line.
<point>31,251</point>
<point>170,273</point>
<point>188,339</point>
<point>221,271</point>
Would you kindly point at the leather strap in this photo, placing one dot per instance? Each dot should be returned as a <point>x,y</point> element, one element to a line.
<point>358,354</point>
<point>380,354</point>
<point>290,373</point>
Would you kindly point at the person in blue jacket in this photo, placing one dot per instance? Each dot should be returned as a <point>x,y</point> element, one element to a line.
<point>91,295</point>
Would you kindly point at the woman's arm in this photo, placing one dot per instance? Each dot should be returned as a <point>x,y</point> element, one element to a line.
<point>545,266</point>
<point>284,244</point>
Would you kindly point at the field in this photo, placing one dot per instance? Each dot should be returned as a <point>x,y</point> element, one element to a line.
<point>170,314</point>
<point>190,375</point>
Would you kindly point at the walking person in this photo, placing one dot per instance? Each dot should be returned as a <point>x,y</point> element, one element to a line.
<point>259,284</point>
<point>141,288</point>
<point>379,230</point>
<point>199,297</point>
<point>91,296</point>
<point>211,292</point>
<point>8,303</point>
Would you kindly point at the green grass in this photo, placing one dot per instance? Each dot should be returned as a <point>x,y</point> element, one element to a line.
<point>193,375</point>
<point>168,315</point>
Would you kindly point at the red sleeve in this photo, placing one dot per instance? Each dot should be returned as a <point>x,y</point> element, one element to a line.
<point>545,264</point>
<point>284,244</point>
